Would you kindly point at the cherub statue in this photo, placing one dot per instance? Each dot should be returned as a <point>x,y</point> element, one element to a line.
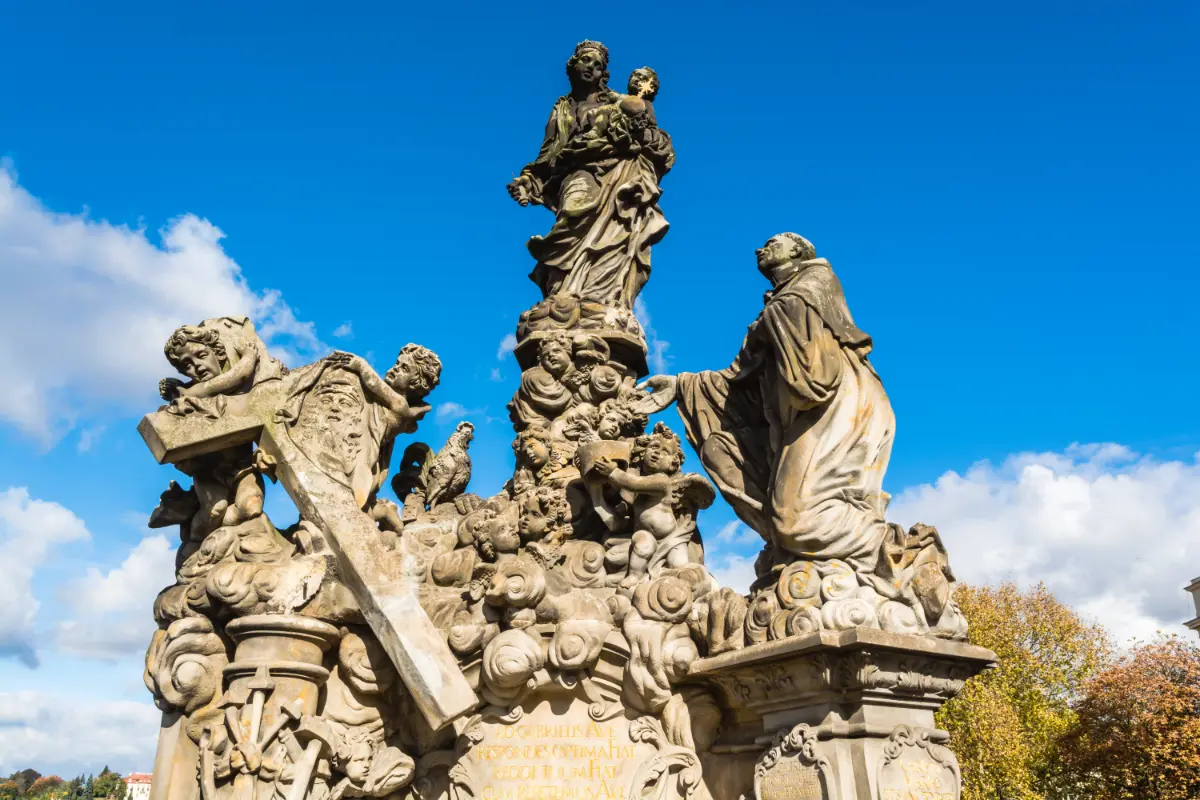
<point>664,505</point>
<point>220,356</point>
<point>544,393</point>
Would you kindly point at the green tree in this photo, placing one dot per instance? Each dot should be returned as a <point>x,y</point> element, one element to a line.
<point>1006,724</point>
<point>89,788</point>
<point>109,784</point>
<point>9,790</point>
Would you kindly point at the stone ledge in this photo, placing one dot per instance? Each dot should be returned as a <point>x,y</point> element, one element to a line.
<point>846,641</point>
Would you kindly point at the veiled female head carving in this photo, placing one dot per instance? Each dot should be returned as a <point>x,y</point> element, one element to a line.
<point>587,68</point>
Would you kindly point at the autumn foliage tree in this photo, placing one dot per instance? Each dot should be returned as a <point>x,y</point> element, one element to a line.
<point>1006,725</point>
<point>1137,733</point>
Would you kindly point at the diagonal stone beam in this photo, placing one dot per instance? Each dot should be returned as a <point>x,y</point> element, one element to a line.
<point>388,602</point>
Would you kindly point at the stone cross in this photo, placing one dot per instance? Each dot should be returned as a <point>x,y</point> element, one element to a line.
<point>389,604</point>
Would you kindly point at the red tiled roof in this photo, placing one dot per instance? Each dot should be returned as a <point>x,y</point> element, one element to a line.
<point>139,777</point>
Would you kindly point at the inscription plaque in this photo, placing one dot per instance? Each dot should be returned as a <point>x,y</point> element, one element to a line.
<point>791,780</point>
<point>916,774</point>
<point>556,753</point>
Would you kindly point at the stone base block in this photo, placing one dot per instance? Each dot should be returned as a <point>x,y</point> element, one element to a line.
<point>844,715</point>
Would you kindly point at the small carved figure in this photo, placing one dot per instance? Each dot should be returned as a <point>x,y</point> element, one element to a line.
<point>543,393</point>
<point>664,506</point>
<point>223,355</point>
<point>545,516</point>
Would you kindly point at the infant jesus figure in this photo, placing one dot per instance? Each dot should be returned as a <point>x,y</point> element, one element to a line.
<point>664,503</point>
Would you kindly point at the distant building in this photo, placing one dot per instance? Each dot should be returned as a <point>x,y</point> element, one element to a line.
<point>138,785</point>
<point>1194,588</point>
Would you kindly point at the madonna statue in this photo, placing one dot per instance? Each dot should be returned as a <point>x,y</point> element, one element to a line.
<point>598,171</point>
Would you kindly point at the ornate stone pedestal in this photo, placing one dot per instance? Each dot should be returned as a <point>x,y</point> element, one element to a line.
<point>844,715</point>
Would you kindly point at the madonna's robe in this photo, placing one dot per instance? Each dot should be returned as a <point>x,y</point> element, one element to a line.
<point>797,432</point>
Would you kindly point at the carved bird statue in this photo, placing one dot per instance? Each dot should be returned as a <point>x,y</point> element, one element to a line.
<point>450,470</point>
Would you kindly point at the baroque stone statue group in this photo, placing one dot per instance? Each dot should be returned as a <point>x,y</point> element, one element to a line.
<point>560,638</point>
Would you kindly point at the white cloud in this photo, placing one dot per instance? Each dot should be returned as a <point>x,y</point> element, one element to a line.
<point>344,331</point>
<point>451,411</point>
<point>113,610</point>
<point>734,571</point>
<point>88,437</point>
<point>28,529</point>
<point>507,345</point>
<point>1112,533</point>
<point>657,358</point>
<point>739,535</point>
<point>496,375</point>
<point>65,735</point>
<point>86,305</point>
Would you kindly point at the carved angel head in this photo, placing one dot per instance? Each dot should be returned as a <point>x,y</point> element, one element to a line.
<point>543,512</point>
<point>197,352</point>
<point>416,372</point>
<point>643,83</point>
<point>532,447</point>
<point>554,354</point>
<point>658,452</point>
<point>619,418</point>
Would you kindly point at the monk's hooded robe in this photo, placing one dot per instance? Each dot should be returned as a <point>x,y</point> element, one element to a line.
<point>797,432</point>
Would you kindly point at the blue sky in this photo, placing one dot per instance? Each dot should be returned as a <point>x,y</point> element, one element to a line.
<point>1007,191</point>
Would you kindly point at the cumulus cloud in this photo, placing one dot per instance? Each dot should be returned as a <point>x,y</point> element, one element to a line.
<point>69,735</point>
<point>1111,532</point>
<point>85,306</point>
<point>657,357</point>
<point>344,331</point>
<point>507,345</point>
<point>454,412</point>
<point>730,554</point>
<point>29,529</point>
<point>112,609</point>
<point>732,570</point>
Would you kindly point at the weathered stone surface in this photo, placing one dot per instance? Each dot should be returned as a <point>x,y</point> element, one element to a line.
<point>852,711</point>
<point>565,622</point>
<point>797,433</point>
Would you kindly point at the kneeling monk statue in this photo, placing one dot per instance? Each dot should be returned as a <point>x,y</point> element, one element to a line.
<point>797,431</point>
